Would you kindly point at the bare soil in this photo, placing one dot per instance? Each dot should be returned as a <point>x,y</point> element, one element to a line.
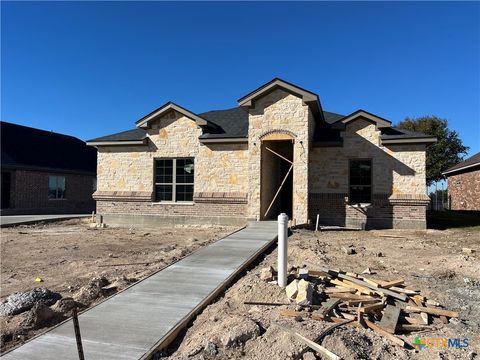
<point>75,259</point>
<point>431,261</point>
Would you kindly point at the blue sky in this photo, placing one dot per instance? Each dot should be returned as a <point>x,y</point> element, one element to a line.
<point>90,69</point>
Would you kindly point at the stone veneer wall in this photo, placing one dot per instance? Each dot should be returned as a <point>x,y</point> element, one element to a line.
<point>280,111</point>
<point>398,181</point>
<point>464,190</point>
<point>126,173</point>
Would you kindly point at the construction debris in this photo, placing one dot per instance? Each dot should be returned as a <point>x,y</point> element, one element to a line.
<point>386,307</point>
<point>267,274</point>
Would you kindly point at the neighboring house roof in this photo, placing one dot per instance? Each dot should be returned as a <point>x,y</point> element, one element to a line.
<point>28,148</point>
<point>124,137</point>
<point>467,165</point>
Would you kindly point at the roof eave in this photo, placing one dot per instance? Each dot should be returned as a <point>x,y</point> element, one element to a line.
<point>460,169</point>
<point>428,140</point>
<point>117,143</point>
<point>224,140</point>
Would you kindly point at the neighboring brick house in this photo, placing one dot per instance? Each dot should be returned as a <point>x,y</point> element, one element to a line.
<point>464,184</point>
<point>226,166</point>
<point>45,173</point>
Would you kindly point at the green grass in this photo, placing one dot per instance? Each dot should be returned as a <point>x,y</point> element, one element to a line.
<point>466,220</point>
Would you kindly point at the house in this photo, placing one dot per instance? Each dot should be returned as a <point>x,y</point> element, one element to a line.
<point>45,173</point>
<point>464,184</point>
<point>278,151</point>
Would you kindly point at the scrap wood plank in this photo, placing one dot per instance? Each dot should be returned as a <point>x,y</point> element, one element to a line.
<point>328,306</point>
<point>313,345</point>
<point>389,284</point>
<point>425,318</point>
<point>404,290</point>
<point>347,296</point>
<point>360,288</point>
<point>388,292</point>
<point>390,319</point>
<point>355,302</point>
<point>413,327</point>
<point>384,333</point>
<point>338,290</point>
<point>319,338</point>
<point>432,311</point>
<point>371,308</point>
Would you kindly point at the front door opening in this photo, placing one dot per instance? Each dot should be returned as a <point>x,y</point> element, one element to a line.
<point>276,191</point>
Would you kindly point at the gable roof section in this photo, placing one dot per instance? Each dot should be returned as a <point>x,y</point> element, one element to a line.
<point>29,148</point>
<point>379,121</point>
<point>169,106</point>
<point>309,98</point>
<point>466,165</point>
<point>329,132</point>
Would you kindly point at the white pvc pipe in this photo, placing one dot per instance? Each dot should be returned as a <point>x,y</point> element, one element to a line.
<point>282,249</point>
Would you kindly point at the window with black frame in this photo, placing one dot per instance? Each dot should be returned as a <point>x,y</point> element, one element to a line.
<point>174,179</point>
<point>360,189</point>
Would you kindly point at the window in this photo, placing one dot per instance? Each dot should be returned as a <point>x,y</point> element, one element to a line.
<point>360,181</point>
<point>174,179</point>
<point>56,187</point>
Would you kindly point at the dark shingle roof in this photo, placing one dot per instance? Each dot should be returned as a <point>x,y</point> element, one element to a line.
<point>396,133</point>
<point>331,117</point>
<point>468,163</point>
<point>129,135</point>
<point>26,147</point>
<point>233,123</point>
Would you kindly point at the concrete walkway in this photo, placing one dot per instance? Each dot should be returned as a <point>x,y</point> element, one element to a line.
<point>133,323</point>
<point>12,220</point>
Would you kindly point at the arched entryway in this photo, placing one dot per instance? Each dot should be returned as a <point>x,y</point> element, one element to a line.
<point>276,190</point>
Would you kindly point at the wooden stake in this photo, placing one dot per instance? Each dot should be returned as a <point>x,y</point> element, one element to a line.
<point>76,327</point>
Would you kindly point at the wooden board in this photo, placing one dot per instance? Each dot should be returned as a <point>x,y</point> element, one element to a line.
<point>313,345</point>
<point>385,334</point>
<point>390,319</point>
<point>338,290</point>
<point>371,308</point>
<point>388,292</point>
<point>328,306</point>
<point>432,311</point>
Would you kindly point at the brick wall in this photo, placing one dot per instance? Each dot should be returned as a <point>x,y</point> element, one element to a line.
<point>29,193</point>
<point>464,191</point>
<point>333,209</point>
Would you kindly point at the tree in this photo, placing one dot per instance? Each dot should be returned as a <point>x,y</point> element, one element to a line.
<point>446,152</point>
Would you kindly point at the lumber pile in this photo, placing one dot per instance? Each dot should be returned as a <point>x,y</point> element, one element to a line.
<point>389,308</point>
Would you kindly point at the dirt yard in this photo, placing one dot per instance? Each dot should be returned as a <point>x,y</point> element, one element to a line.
<point>431,261</point>
<point>77,260</point>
